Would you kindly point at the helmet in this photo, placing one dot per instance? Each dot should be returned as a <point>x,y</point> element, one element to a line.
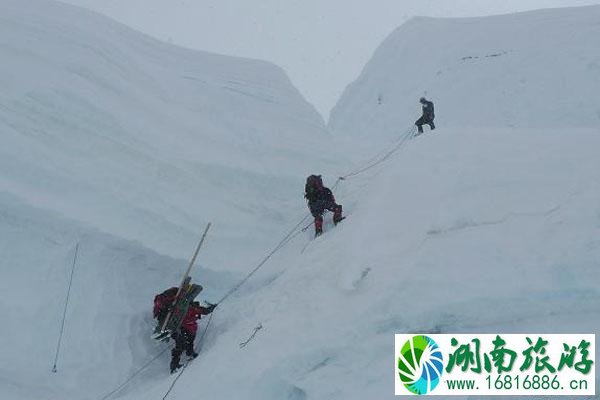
<point>422,100</point>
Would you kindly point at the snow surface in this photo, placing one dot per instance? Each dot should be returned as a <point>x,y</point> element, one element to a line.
<point>463,232</point>
<point>145,140</point>
<point>466,229</point>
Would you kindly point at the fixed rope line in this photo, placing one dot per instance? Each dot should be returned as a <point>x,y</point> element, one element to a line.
<point>143,367</point>
<point>136,373</point>
<point>382,158</point>
<point>386,149</point>
<point>64,316</point>
<point>290,235</point>
<point>295,231</point>
<point>407,136</point>
<point>200,341</point>
<point>252,336</point>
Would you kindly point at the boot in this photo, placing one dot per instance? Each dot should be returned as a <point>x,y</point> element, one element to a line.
<point>337,215</point>
<point>175,365</point>
<point>192,355</point>
<point>318,226</point>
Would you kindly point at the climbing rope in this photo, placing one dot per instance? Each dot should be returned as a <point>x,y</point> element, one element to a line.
<point>254,332</point>
<point>286,239</point>
<point>200,341</point>
<point>406,137</point>
<point>290,235</point>
<point>147,364</point>
<point>296,230</point>
<point>136,373</point>
<point>64,316</point>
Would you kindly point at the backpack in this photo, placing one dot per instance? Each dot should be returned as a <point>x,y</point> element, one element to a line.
<point>314,184</point>
<point>163,300</point>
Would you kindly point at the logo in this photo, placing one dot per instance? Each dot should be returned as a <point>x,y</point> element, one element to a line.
<point>420,364</point>
<point>473,364</point>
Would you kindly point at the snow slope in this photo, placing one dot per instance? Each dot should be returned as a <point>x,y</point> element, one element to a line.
<point>461,232</point>
<point>146,140</point>
<point>538,69</point>
<point>105,325</point>
<point>468,229</point>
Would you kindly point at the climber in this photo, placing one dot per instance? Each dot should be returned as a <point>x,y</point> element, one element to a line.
<point>320,199</point>
<point>185,336</point>
<point>428,115</point>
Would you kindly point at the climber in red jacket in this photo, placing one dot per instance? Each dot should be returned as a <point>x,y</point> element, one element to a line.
<point>184,338</point>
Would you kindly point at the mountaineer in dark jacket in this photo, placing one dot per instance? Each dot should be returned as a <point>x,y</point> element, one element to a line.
<point>428,115</point>
<point>320,199</point>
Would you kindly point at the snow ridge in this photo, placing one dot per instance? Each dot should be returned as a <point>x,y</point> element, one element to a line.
<point>535,69</point>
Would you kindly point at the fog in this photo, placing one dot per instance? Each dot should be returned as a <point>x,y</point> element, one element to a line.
<point>323,45</point>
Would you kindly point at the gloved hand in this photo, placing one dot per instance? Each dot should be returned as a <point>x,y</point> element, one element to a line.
<point>211,307</point>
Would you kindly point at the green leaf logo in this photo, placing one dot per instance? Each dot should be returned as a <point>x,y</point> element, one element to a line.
<point>420,364</point>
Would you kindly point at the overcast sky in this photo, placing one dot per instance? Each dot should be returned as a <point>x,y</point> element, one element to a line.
<point>322,44</point>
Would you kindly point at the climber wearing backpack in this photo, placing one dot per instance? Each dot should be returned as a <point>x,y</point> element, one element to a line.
<point>320,199</point>
<point>185,336</point>
<point>428,115</point>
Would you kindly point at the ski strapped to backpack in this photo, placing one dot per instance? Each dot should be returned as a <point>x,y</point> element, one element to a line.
<point>185,295</point>
<point>178,310</point>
